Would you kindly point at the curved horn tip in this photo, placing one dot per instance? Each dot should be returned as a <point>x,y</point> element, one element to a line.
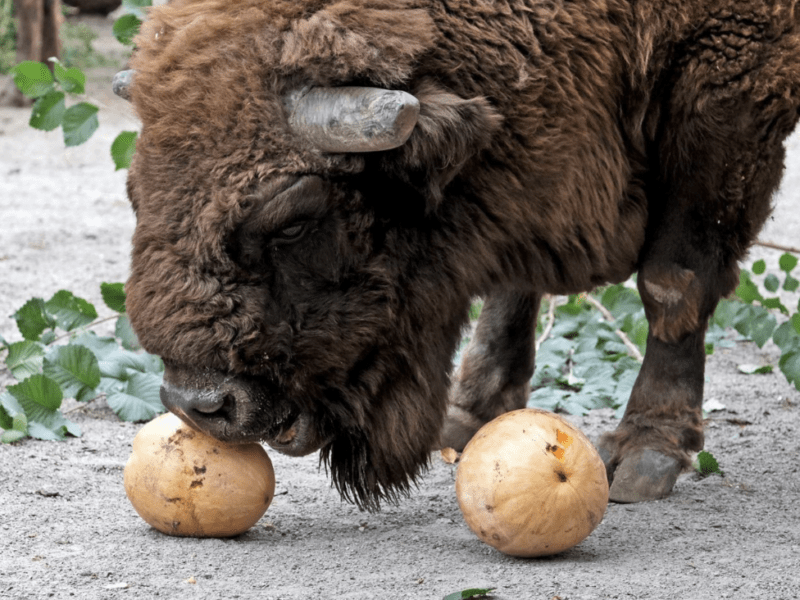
<point>353,119</point>
<point>121,83</point>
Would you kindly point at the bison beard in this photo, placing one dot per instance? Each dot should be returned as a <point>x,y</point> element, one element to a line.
<point>327,249</point>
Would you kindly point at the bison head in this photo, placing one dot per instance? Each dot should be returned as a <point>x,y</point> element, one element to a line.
<point>300,290</point>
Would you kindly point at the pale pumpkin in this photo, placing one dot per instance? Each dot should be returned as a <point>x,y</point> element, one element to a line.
<point>186,483</point>
<point>531,484</point>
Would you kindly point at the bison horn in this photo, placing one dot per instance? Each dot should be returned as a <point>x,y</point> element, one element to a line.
<point>352,119</point>
<point>121,83</point>
<point>340,119</point>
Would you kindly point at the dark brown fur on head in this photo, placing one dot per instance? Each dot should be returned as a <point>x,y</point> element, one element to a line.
<point>529,167</point>
<point>338,321</point>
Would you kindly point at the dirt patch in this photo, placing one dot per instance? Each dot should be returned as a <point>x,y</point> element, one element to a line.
<point>69,531</point>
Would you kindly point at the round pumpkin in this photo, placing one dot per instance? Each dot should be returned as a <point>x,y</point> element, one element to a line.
<point>185,483</point>
<point>531,484</point>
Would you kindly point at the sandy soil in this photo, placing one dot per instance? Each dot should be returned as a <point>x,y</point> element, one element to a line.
<point>67,529</point>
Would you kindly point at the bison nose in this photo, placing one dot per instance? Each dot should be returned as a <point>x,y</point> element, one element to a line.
<point>196,405</point>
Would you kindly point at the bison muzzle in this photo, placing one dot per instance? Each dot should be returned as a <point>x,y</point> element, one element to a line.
<point>223,406</point>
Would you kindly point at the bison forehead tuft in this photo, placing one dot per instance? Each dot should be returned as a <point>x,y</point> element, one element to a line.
<point>208,72</point>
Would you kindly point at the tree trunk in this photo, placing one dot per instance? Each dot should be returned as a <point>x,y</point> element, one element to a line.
<point>38,22</point>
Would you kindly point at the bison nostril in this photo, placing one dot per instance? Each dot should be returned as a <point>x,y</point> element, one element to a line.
<point>214,402</point>
<point>210,402</point>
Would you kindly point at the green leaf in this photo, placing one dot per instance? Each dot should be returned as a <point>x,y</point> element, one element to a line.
<point>72,80</point>
<point>80,122</point>
<point>38,395</point>
<point>25,359</point>
<point>574,306</point>
<point>101,346</point>
<point>70,311</point>
<point>772,283</point>
<point>790,284</point>
<point>775,304</point>
<point>577,404</point>
<point>20,423</point>
<point>140,399</point>
<point>748,369</point>
<point>54,430</point>
<point>786,337</point>
<point>124,332</point>
<point>747,290</point>
<point>546,398</point>
<point>32,319</point>
<point>787,262</point>
<point>76,370</point>
<point>121,364</point>
<point>48,112</point>
<point>762,327</point>
<point>17,425</point>
<point>33,78</point>
<point>759,267</point>
<point>726,312</point>
<point>114,296</point>
<point>757,323</point>
<point>790,366</point>
<point>122,149</point>
<point>621,300</point>
<point>125,28</point>
<point>470,593</point>
<point>11,436</point>
<point>6,420</point>
<point>706,464</point>
<point>10,405</point>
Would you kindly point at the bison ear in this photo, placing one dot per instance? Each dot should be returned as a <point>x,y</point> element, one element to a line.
<point>449,132</point>
<point>371,40</point>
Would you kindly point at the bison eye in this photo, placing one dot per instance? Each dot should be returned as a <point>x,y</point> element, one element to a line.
<point>290,234</point>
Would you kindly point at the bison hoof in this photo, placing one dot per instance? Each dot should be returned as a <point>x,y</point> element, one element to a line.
<point>459,427</point>
<point>642,476</point>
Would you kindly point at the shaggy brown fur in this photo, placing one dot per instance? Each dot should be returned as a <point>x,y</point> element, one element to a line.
<point>561,145</point>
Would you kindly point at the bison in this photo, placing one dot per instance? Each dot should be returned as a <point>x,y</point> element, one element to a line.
<point>322,186</point>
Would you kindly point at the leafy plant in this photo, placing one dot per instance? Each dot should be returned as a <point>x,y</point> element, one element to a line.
<point>127,26</point>
<point>583,362</point>
<point>50,89</point>
<point>590,346</point>
<point>83,367</point>
<point>79,121</point>
<point>470,593</point>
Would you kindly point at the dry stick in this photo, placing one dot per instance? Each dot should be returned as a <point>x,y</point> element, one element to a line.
<point>87,326</point>
<point>632,348</point>
<point>551,317</point>
<point>777,247</point>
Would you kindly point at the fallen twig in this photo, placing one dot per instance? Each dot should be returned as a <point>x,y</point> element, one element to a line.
<point>775,246</point>
<point>633,349</point>
<point>551,317</point>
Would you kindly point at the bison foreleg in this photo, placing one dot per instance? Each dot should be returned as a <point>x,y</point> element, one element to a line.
<point>497,366</point>
<point>719,165</point>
